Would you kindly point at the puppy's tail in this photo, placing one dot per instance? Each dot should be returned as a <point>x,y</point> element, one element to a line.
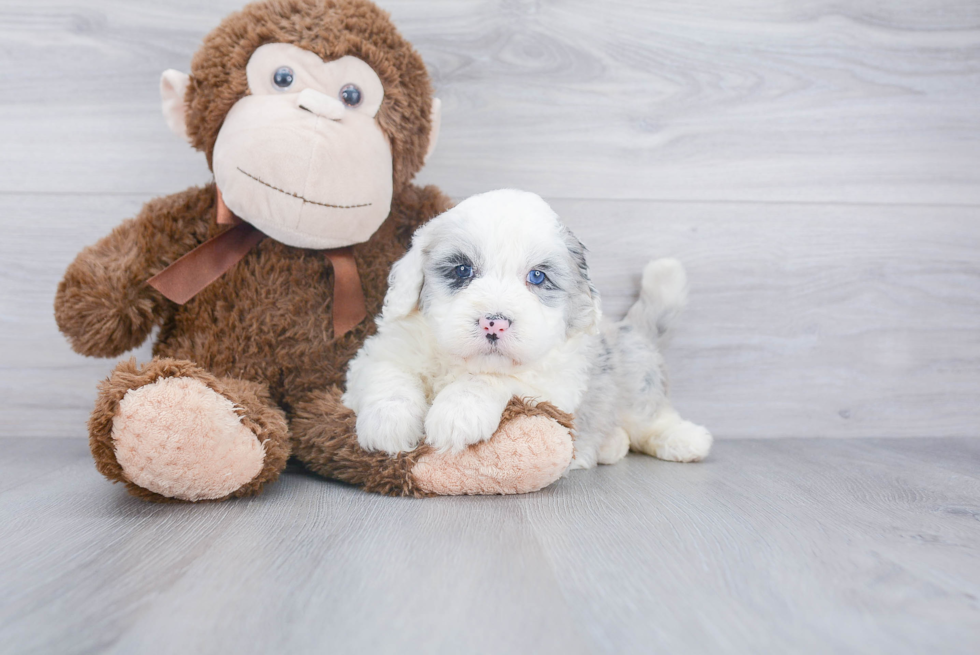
<point>662,297</point>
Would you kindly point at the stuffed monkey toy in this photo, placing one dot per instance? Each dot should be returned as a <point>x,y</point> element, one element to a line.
<point>314,116</point>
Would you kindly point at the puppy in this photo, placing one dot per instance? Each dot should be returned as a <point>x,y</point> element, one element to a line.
<point>494,300</point>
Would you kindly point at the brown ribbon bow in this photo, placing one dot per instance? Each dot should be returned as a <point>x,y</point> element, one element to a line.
<point>190,274</point>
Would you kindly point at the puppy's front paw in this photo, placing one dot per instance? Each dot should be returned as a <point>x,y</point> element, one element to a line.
<point>393,425</point>
<point>457,420</point>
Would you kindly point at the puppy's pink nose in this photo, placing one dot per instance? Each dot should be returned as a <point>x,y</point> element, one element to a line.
<point>494,325</point>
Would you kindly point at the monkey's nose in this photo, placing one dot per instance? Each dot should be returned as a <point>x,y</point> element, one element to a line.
<point>321,104</point>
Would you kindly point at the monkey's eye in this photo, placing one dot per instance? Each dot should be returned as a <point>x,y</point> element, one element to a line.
<point>463,271</point>
<point>536,277</point>
<point>350,95</point>
<point>283,77</point>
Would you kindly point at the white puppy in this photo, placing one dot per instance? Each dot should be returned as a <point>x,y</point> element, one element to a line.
<point>493,300</point>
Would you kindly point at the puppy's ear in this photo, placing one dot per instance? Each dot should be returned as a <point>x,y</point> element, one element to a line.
<point>406,278</point>
<point>586,310</point>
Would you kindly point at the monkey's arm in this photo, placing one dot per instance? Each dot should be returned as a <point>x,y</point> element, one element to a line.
<point>103,304</point>
<point>415,206</point>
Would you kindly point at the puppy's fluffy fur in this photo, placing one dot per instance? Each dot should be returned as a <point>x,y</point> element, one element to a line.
<point>494,300</point>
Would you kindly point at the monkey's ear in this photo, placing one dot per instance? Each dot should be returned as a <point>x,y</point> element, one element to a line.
<point>435,120</point>
<point>173,87</point>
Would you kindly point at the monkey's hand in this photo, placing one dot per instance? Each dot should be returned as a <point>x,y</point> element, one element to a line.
<point>103,304</point>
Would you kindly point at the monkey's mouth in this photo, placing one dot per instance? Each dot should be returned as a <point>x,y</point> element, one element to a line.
<point>296,195</point>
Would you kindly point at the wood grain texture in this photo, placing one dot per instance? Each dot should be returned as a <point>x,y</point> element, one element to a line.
<point>814,101</point>
<point>804,320</point>
<point>815,165</point>
<point>804,546</point>
<point>807,320</point>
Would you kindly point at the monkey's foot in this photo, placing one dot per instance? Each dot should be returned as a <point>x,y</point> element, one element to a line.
<point>187,435</point>
<point>177,438</point>
<point>530,450</point>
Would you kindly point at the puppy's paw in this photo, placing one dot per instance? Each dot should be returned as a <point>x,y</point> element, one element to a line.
<point>393,425</point>
<point>683,442</point>
<point>614,448</point>
<point>457,420</point>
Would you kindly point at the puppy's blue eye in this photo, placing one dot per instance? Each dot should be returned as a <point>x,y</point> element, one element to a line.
<point>463,271</point>
<point>535,277</point>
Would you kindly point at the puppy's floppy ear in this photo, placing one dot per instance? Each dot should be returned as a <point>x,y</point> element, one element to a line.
<point>406,278</point>
<point>587,312</point>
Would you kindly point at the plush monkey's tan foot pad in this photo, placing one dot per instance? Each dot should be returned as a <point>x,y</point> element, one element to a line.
<point>526,454</point>
<point>181,439</point>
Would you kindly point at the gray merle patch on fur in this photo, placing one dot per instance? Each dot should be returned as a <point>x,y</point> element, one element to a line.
<point>605,361</point>
<point>580,312</point>
<point>448,268</point>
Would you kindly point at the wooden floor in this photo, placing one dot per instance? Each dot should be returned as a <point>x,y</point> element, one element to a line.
<point>771,546</point>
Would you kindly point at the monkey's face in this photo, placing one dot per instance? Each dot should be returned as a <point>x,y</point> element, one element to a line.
<point>302,157</point>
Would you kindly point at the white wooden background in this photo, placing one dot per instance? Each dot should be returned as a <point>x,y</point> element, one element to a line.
<point>815,163</point>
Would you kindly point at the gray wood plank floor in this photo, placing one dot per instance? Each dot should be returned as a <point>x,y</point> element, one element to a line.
<point>806,546</point>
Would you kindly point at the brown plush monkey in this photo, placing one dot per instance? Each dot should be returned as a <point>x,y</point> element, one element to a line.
<point>314,116</point>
